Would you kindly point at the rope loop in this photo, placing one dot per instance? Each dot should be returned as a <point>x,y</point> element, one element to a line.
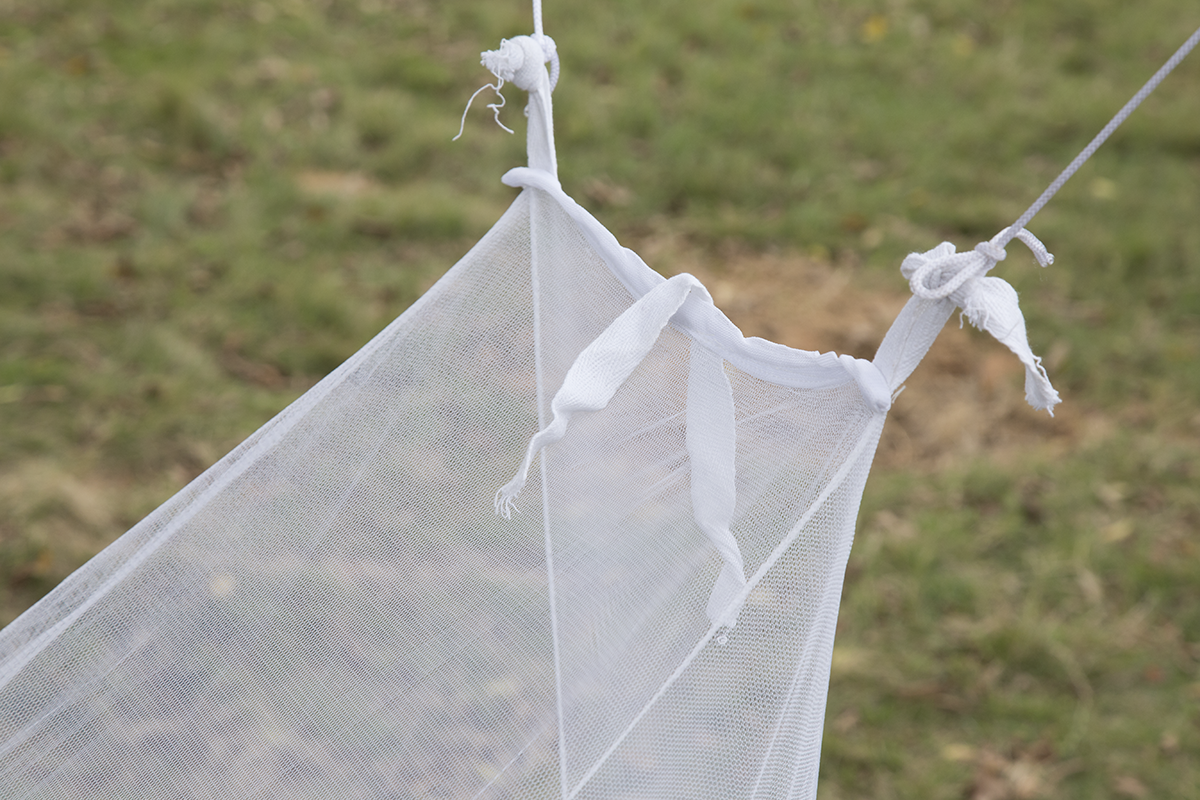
<point>941,272</point>
<point>549,56</point>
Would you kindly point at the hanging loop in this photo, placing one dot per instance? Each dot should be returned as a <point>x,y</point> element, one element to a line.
<point>941,276</point>
<point>549,56</point>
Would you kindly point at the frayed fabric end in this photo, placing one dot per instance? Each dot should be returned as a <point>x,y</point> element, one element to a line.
<point>1038,391</point>
<point>506,498</point>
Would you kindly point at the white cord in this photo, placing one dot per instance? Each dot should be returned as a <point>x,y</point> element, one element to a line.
<point>1121,116</point>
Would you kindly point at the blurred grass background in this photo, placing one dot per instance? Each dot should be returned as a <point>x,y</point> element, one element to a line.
<point>206,205</point>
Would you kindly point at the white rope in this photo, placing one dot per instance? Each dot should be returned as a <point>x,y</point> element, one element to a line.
<point>990,303</point>
<point>514,62</point>
<point>550,56</point>
<point>936,277</point>
<point>1087,152</point>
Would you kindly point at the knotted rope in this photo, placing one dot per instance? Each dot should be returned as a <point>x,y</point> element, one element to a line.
<point>518,60</point>
<point>989,303</point>
<point>936,278</point>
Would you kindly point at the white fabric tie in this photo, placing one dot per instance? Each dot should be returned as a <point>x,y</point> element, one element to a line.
<point>601,369</point>
<point>712,451</point>
<point>989,303</point>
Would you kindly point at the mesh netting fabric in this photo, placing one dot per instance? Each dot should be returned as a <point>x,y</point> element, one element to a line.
<point>335,611</point>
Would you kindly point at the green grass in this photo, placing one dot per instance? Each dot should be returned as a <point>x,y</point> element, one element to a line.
<point>1052,606</point>
<point>206,205</point>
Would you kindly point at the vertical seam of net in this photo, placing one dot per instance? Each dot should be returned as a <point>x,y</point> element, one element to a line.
<point>539,380</point>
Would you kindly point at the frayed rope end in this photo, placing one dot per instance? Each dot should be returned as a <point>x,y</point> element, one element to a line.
<point>495,107</point>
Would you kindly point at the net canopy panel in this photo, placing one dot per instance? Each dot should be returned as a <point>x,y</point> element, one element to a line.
<point>336,610</point>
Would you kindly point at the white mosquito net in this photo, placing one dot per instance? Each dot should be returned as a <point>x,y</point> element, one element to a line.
<point>336,610</point>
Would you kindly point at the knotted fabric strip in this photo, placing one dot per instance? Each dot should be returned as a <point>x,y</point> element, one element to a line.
<point>604,366</point>
<point>989,303</point>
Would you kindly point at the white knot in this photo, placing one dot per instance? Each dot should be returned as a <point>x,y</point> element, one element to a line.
<point>991,251</point>
<point>519,60</point>
<point>989,303</point>
<point>941,271</point>
<point>504,62</point>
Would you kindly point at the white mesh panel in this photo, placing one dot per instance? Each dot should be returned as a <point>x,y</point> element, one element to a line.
<point>334,610</point>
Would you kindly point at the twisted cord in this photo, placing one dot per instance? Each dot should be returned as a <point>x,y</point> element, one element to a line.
<point>1107,131</point>
<point>549,50</point>
<point>549,55</point>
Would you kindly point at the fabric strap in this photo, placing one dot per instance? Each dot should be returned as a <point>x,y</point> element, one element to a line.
<point>604,366</point>
<point>712,451</point>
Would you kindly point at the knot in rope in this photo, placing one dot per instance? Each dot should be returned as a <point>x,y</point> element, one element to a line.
<point>941,272</point>
<point>992,251</point>
<point>518,60</point>
<point>989,303</point>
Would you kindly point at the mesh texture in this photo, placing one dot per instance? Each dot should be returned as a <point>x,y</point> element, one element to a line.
<point>334,610</point>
